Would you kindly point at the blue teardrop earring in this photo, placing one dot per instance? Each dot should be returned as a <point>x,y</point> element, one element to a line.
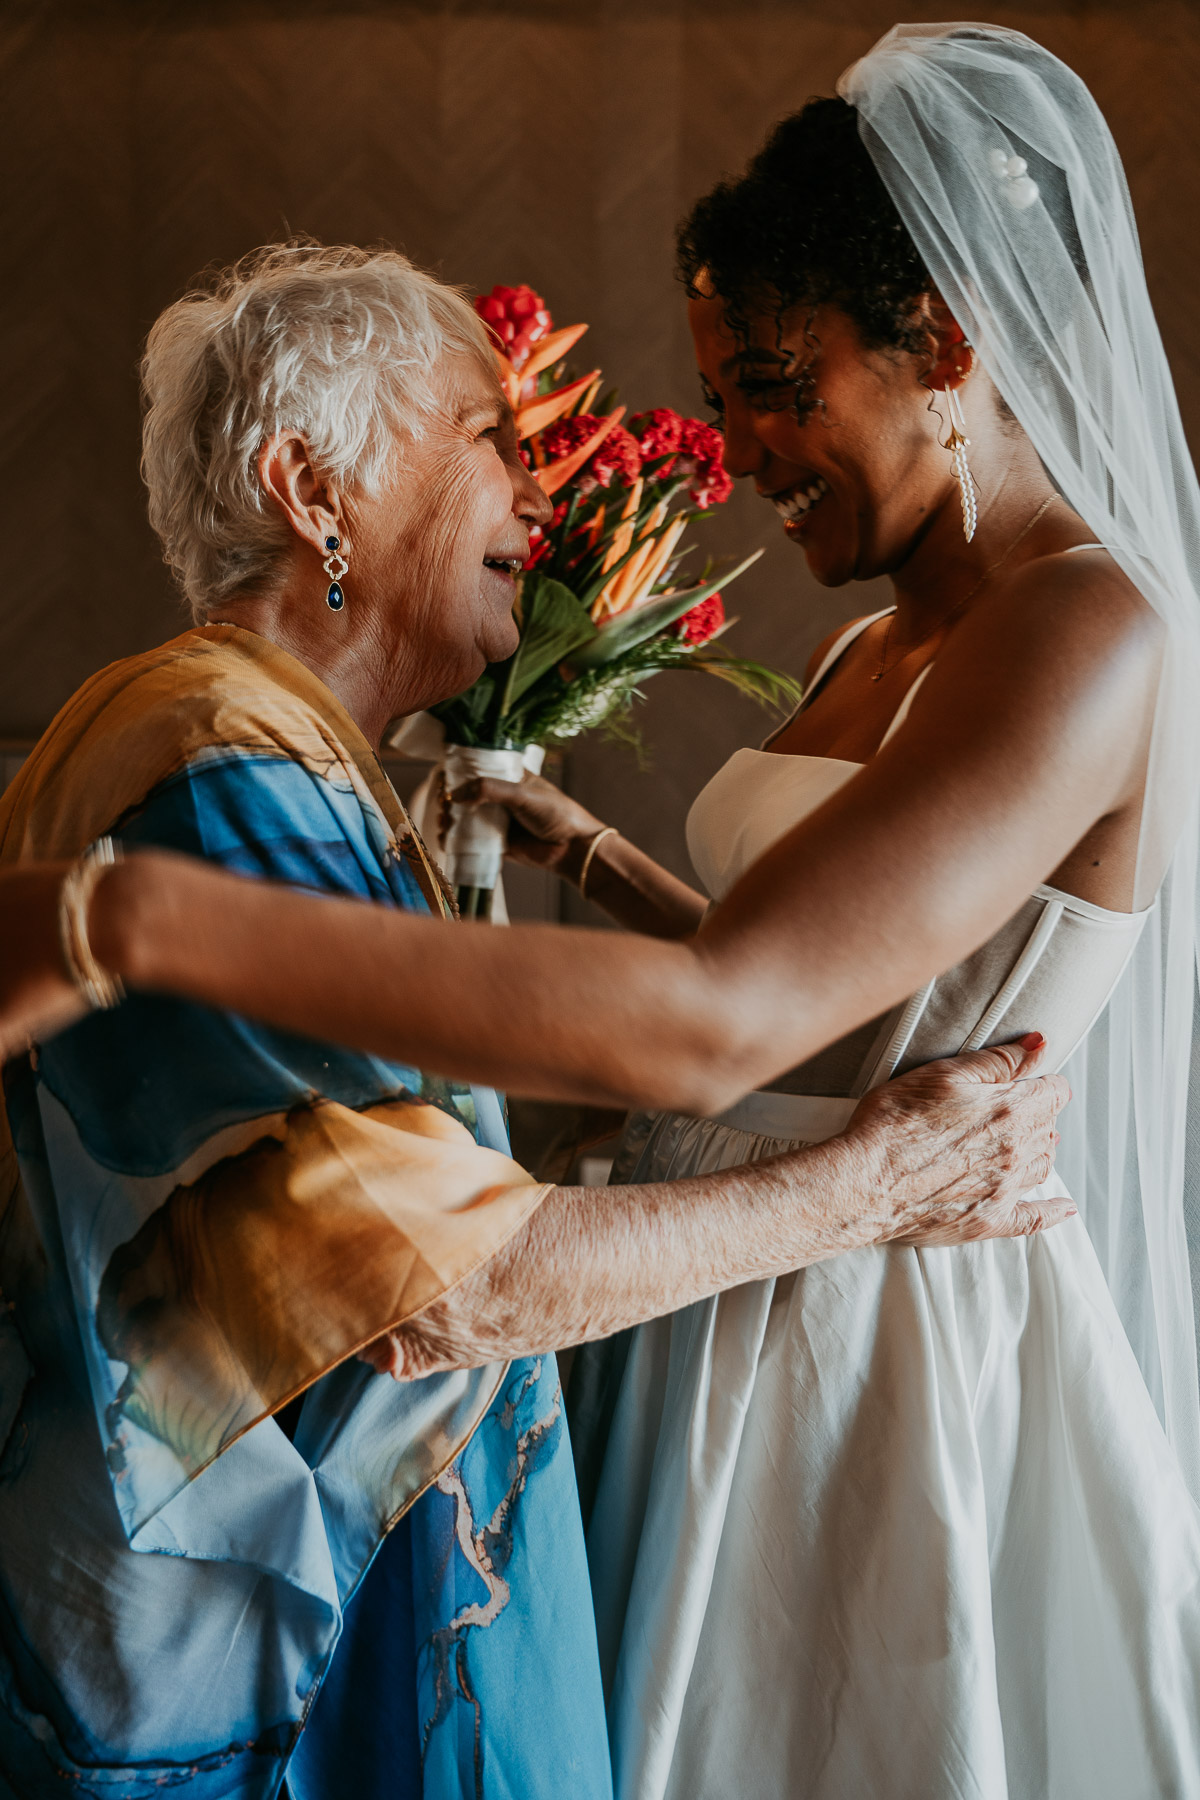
<point>335,567</point>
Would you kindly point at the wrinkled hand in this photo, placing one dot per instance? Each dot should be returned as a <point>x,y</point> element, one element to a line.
<point>957,1143</point>
<point>940,1156</point>
<point>37,997</point>
<point>547,830</point>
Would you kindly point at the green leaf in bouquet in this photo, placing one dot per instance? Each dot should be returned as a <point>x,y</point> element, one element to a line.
<point>560,538</point>
<point>465,716</point>
<point>553,626</point>
<point>603,576</point>
<point>636,626</point>
<point>770,687</point>
<point>654,468</point>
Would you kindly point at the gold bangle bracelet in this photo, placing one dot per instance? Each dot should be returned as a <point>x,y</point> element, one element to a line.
<point>100,989</point>
<point>606,831</point>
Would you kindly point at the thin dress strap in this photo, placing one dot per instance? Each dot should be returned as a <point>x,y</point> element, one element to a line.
<point>844,641</point>
<point>840,643</point>
<point>903,708</point>
<point>836,648</point>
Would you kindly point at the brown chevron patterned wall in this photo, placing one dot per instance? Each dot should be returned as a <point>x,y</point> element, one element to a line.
<point>555,143</point>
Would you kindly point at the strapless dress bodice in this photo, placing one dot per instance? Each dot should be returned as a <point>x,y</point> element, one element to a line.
<point>749,804</point>
<point>1052,967</point>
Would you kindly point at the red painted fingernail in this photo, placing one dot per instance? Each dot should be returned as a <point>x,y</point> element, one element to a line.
<point>1033,1040</point>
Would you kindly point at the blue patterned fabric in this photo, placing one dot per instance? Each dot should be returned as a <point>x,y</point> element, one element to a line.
<point>451,1712</point>
<point>203,1218</point>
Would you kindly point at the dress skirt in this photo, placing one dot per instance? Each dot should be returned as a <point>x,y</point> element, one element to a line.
<point>904,1525</point>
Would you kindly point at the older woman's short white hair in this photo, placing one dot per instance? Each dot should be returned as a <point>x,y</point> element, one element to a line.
<point>336,343</point>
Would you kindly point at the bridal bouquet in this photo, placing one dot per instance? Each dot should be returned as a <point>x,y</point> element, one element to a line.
<point>604,600</point>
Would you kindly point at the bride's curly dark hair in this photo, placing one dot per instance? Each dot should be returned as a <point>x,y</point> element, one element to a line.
<point>809,223</point>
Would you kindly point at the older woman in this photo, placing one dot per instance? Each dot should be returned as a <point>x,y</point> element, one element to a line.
<point>207,1219</point>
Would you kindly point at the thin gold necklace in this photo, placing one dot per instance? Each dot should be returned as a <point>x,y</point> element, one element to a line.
<point>883,669</point>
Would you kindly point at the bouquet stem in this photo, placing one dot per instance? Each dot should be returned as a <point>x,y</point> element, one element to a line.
<point>474,902</point>
<point>471,841</point>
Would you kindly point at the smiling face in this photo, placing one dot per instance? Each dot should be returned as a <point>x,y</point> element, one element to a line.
<point>855,472</point>
<point>437,552</point>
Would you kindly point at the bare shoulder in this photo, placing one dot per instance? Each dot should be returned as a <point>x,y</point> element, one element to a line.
<point>1058,667</point>
<point>1076,610</point>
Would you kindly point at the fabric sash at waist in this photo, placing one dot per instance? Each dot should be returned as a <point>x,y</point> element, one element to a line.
<point>803,1118</point>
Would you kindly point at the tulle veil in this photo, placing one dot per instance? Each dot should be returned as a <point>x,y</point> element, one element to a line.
<point>1040,265</point>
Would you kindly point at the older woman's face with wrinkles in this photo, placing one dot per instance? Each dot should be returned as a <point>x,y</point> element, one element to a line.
<point>443,543</point>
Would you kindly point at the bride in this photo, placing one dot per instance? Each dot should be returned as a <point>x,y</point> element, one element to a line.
<point>908,1524</point>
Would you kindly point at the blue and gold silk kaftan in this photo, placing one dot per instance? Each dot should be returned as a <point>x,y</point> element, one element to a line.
<point>202,1221</point>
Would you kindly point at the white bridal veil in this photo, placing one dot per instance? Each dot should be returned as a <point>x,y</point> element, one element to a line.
<point>1005,174</point>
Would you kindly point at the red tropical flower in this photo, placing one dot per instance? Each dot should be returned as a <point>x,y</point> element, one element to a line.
<point>519,318</point>
<point>565,435</point>
<point>658,432</point>
<point>701,448</point>
<point>701,441</point>
<point>711,485</point>
<point>540,544</point>
<point>704,620</point>
<point>617,455</point>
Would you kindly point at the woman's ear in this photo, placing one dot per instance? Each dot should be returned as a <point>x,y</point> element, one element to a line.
<point>312,508</point>
<point>951,357</point>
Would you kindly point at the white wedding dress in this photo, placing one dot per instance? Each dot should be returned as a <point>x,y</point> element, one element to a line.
<point>905,1525</point>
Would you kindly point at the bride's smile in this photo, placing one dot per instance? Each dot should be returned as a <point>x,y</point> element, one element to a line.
<point>796,503</point>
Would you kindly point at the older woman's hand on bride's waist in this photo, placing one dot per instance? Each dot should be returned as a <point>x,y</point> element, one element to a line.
<point>941,1156</point>
<point>956,1145</point>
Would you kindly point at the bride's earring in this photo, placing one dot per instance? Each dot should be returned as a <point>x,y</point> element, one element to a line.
<point>335,567</point>
<point>957,444</point>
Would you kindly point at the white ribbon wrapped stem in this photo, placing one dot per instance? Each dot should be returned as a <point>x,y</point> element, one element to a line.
<point>474,844</point>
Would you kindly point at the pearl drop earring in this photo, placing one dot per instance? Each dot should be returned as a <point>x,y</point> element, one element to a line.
<point>957,444</point>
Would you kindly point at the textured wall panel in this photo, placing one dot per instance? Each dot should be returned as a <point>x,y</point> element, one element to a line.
<point>550,141</point>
